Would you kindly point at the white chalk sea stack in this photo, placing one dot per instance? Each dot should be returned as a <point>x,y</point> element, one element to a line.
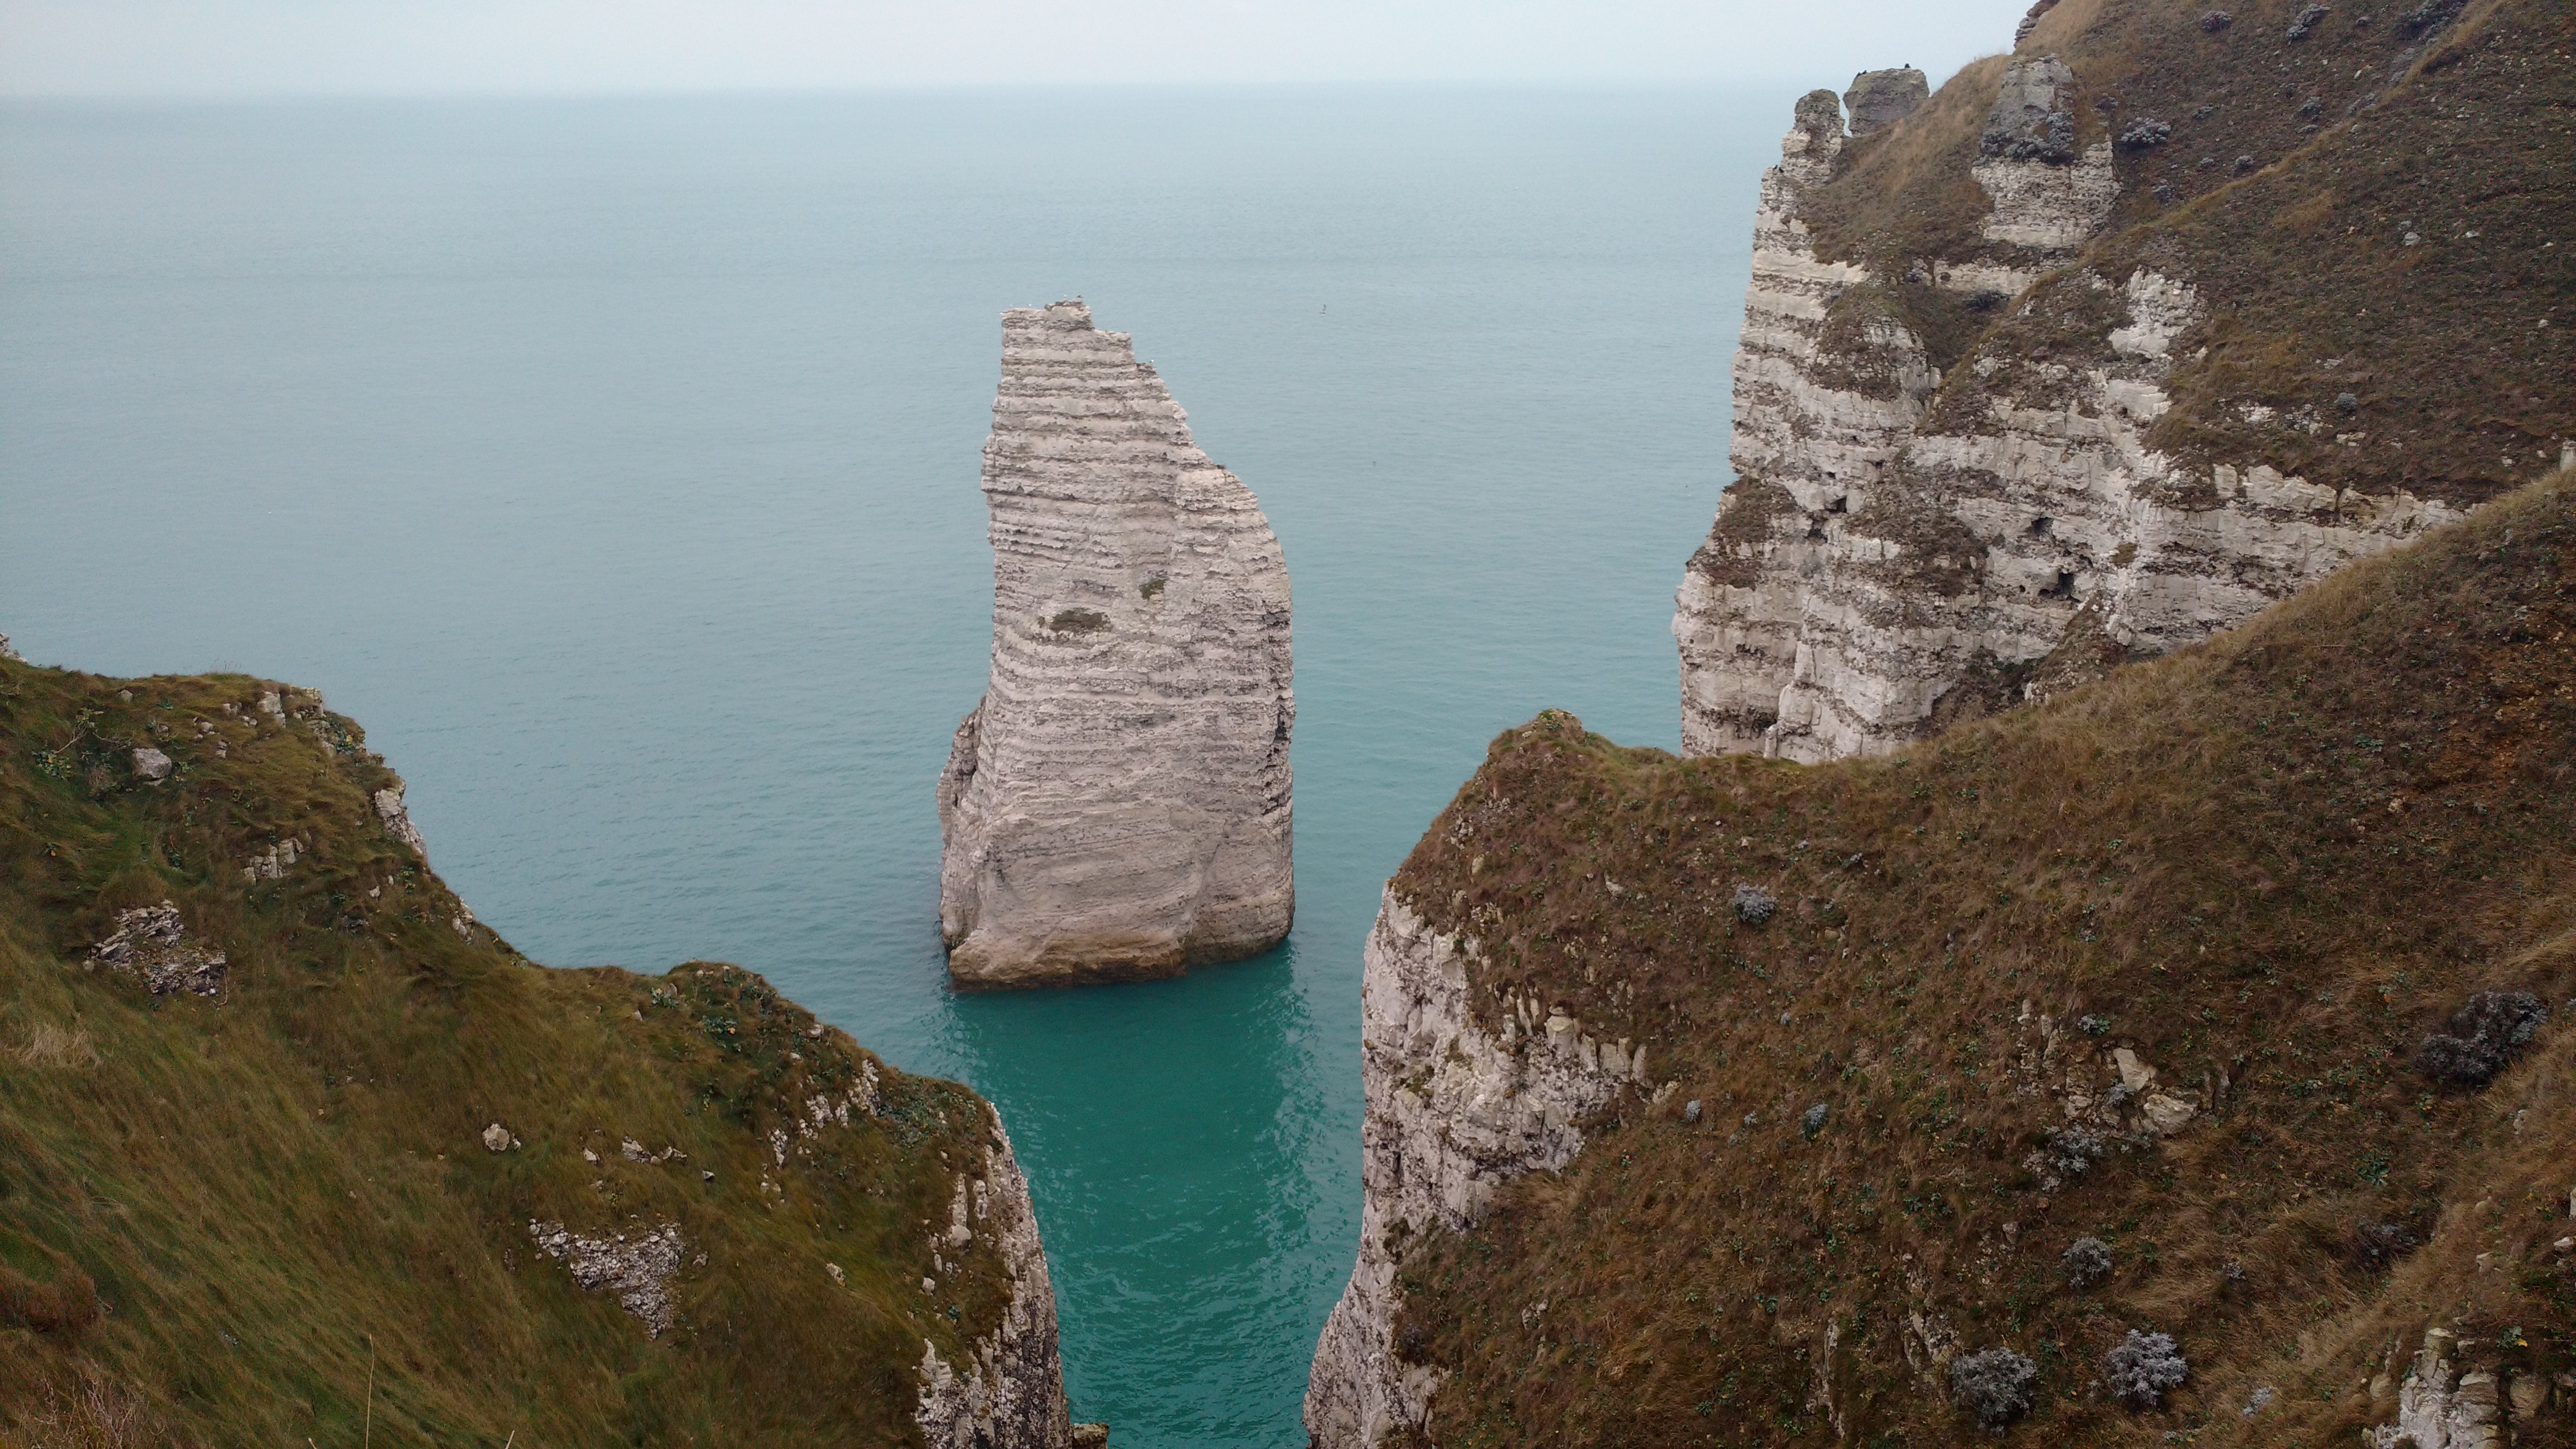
<point>1117,806</point>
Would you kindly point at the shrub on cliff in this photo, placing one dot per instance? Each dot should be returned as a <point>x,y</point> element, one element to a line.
<point>1994,1386</point>
<point>2141,1366</point>
<point>2483,1037</point>
<point>2087,1261</point>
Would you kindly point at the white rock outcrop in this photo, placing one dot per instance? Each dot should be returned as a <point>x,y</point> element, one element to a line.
<point>1117,806</point>
<point>397,820</point>
<point>1009,1394</point>
<point>1883,566</point>
<point>1453,1112</point>
<point>2440,1408</point>
<point>637,1269</point>
<point>150,943</point>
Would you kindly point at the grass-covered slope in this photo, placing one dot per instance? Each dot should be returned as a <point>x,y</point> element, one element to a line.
<point>2267,868</point>
<point>270,1215</point>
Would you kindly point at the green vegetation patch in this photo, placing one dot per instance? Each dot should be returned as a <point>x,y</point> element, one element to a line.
<point>300,1208</point>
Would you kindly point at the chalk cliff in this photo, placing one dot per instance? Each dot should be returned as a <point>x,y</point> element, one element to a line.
<point>1011,1389</point>
<point>1117,806</point>
<point>2039,1072</point>
<point>1453,1113</point>
<point>2014,401</point>
<point>2111,348</point>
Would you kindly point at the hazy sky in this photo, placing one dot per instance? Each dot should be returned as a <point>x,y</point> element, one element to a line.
<point>269,47</point>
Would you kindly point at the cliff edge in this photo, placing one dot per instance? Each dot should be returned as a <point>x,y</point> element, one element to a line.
<point>2181,1058</point>
<point>295,1146</point>
<point>1118,804</point>
<point>2117,339</point>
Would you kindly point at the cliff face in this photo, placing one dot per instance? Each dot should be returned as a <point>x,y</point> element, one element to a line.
<point>1453,1113</point>
<point>2171,1058</point>
<point>272,1092</point>
<point>1011,1388</point>
<point>1118,805</point>
<point>2110,344</point>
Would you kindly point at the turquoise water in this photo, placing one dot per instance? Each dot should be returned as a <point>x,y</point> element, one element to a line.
<point>615,462</point>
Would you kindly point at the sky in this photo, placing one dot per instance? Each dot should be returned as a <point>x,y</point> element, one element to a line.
<point>251,48</point>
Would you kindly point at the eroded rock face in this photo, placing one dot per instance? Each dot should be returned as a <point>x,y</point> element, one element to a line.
<point>1117,806</point>
<point>1010,1392</point>
<point>1881,98</point>
<point>2441,1408</point>
<point>1453,1113</point>
<point>397,821</point>
<point>1900,553</point>
<point>2034,114</point>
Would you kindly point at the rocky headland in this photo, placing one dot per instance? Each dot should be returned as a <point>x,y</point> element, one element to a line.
<point>296,1148</point>
<point>1117,806</point>
<point>2110,344</point>
<point>2137,1021</point>
<point>2177,1056</point>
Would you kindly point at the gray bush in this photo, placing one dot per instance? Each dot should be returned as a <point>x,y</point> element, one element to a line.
<point>2145,132</point>
<point>1754,905</point>
<point>2071,1150</point>
<point>2087,1260</point>
<point>2483,1037</point>
<point>1812,1121</point>
<point>1994,1385</point>
<point>2140,1367</point>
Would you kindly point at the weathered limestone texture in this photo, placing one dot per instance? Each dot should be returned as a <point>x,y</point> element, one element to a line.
<point>1453,1112</point>
<point>1010,1393</point>
<point>1900,552</point>
<point>1117,806</point>
<point>2440,1408</point>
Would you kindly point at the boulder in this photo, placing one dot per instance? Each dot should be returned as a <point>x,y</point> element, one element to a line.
<point>1879,99</point>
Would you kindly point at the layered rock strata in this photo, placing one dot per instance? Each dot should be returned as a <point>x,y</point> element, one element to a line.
<point>1907,545</point>
<point>1117,806</point>
<point>1453,1112</point>
<point>1011,1391</point>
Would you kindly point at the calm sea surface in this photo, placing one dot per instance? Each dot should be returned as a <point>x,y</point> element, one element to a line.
<point>615,463</point>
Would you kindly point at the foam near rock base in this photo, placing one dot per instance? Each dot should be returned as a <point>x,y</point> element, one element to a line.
<point>1118,804</point>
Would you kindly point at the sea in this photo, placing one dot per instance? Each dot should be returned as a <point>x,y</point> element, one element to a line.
<point>614,461</point>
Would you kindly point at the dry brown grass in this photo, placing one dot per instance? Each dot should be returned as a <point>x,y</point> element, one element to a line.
<point>2365,131</point>
<point>53,1048</point>
<point>94,1413</point>
<point>2268,866</point>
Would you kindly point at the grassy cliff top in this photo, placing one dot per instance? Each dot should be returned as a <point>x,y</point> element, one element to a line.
<point>2266,869</point>
<point>271,1214</point>
<point>2376,208</point>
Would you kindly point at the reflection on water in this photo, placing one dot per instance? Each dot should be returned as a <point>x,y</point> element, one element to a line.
<point>615,463</point>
